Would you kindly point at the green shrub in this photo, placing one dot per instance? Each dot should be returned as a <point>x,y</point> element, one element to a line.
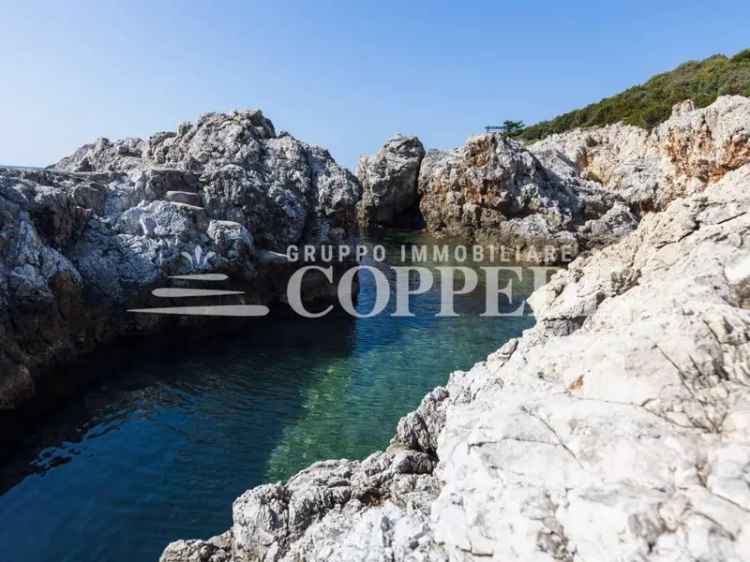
<point>651,103</point>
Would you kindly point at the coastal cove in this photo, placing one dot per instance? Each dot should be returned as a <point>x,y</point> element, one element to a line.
<point>161,449</point>
<point>358,282</point>
<point>627,392</point>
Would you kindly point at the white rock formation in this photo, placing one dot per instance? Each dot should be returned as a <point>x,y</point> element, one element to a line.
<point>494,191</point>
<point>389,182</point>
<point>693,148</point>
<point>618,428</point>
<point>84,241</point>
<point>280,188</point>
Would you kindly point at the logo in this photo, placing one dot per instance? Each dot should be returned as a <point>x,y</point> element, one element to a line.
<point>200,260</point>
<point>447,267</point>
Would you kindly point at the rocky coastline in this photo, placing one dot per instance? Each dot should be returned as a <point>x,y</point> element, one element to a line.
<point>90,237</point>
<point>618,428</point>
<point>577,191</point>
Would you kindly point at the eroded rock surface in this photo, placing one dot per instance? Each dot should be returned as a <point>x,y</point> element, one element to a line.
<point>87,239</point>
<point>693,148</point>
<point>280,188</point>
<point>561,196</point>
<point>618,428</point>
<point>389,183</point>
<point>494,191</point>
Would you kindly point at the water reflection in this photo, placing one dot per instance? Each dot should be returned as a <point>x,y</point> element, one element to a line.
<point>159,449</point>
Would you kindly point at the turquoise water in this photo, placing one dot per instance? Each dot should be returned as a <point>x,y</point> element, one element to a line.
<point>159,448</point>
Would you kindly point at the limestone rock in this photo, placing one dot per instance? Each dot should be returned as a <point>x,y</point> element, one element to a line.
<point>280,188</point>
<point>618,428</point>
<point>105,156</point>
<point>88,238</point>
<point>389,182</point>
<point>690,150</point>
<point>216,549</point>
<point>494,191</point>
<point>381,496</point>
<point>611,421</point>
<point>569,193</point>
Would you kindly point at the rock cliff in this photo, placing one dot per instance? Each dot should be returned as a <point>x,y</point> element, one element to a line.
<point>494,191</point>
<point>90,237</point>
<point>389,183</point>
<point>571,192</point>
<point>690,150</point>
<point>618,428</point>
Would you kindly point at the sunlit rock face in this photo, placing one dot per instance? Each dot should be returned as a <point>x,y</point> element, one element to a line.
<point>88,238</point>
<point>491,191</point>
<point>281,189</point>
<point>494,191</point>
<point>610,430</point>
<point>579,190</point>
<point>692,149</point>
<point>618,428</point>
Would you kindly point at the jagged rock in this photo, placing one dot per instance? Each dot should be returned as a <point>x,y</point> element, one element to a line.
<point>105,156</point>
<point>613,426</point>
<point>618,428</point>
<point>377,502</point>
<point>280,188</point>
<point>419,430</point>
<point>693,148</point>
<point>389,182</point>
<point>494,191</point>
<point>87,239</point>
<point>215,549</point>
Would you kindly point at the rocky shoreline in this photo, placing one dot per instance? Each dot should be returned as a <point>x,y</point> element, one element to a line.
<point>618,428</point>
<point>576,191</point>
<point>90,237</point>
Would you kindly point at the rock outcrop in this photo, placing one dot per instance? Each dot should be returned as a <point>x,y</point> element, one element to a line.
<point>693,148</point>
<point>389,183</point>
<point>280,188</point>
<point>494,191</point>
<point>566,194</point>
<point>618,428</point>
<point>90,237</point>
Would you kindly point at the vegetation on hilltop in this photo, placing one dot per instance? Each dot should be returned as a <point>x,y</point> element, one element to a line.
<point>649,104</point>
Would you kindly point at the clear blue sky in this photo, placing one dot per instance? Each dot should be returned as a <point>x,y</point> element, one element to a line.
<point>344,75</point>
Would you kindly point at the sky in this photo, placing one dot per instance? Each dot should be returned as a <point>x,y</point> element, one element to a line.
<point>345,75</point>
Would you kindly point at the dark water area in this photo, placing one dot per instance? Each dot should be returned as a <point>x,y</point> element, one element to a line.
<point>159,450</point>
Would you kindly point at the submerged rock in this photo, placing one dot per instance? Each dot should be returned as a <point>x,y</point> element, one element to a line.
<point>90,237</point>
<point>389,183</point>
<point>618,428</point>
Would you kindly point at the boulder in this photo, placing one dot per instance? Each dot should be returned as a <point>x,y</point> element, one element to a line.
<point>389,183</point>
